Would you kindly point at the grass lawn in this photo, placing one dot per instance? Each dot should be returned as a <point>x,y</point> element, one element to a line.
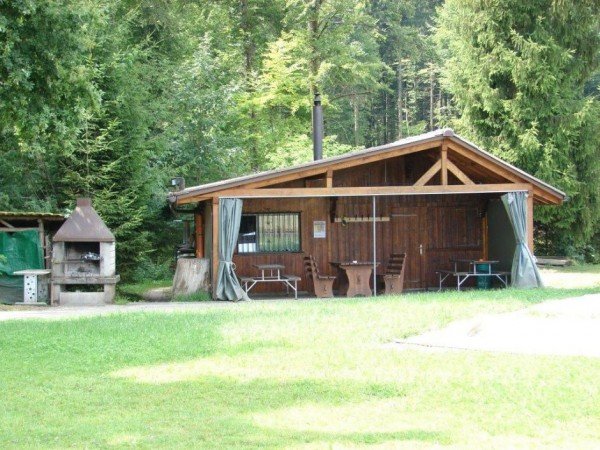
<point>304,374</point>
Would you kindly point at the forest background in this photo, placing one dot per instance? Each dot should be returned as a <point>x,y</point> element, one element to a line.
<point>113,98</point>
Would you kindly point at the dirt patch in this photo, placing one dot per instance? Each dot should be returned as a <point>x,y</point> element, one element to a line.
<point>568,327</point>
<point>18,308</point>
<point>557,278</point>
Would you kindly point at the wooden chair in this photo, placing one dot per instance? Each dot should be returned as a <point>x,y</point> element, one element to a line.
<point>322,284</point>
<point>394,275</point>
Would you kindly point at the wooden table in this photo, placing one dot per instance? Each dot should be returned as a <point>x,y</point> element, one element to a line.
<point>471,270</point>
<point>271,273</point>
<point>358,274</point>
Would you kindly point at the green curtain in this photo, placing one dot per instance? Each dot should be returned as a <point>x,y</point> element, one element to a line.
<point>230,216</point>
<point>524,273</point>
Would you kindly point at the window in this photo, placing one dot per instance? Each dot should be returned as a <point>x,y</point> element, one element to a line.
<point>269,232</point>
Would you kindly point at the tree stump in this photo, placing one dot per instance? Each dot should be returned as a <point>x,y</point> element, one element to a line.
<point>191,275</point>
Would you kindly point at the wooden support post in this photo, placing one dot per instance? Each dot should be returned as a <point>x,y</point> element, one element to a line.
<point>215,245</point>
<point>444,167</point>
<point>199,230</point>
<point>486,251</point>
<point>530,219</point>
<point>329,179</point>
<point>45,251</point>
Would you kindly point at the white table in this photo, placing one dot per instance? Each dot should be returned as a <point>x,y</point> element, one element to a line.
<point>35,286</point>
<point>271,273</point>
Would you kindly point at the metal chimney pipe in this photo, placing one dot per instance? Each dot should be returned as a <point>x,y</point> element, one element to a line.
<point>317,128</point>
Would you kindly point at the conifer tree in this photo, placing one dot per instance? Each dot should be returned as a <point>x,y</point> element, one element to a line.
<point>517,72</point>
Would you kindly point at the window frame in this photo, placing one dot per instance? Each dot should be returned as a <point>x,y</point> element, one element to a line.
<point>277,252</point>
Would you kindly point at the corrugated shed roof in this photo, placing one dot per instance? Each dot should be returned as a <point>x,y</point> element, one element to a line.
<point>27,215</point>
<point>84,225</point>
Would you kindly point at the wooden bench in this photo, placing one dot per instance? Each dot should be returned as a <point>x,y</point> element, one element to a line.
<point>322,284</point>
<point>462,276</point>
<point>394,274</point>
<point>560,261</point>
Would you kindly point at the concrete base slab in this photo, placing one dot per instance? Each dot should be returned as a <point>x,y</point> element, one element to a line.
<point>82,299</point>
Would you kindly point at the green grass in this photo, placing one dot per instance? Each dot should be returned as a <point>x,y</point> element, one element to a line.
<point>304,374</point>
<point>577,268</point>
<point>196,297</point>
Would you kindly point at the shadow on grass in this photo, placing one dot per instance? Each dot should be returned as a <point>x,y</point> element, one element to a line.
<point>218,413</point>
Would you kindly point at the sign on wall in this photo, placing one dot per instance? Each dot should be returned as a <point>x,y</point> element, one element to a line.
<point>319,229</point>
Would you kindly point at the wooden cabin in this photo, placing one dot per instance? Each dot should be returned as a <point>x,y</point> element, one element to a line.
<point>434,197</point>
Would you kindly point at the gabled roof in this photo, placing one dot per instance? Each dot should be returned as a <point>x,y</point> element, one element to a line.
<point>84,225</point>
<point>419,142</point>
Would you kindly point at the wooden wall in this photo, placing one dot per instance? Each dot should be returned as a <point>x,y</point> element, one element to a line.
<point>310,210</point>
<point>430,229</point>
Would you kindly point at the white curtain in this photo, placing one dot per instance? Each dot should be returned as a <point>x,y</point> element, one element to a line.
<point>524,273</point>
<point>230,216</point>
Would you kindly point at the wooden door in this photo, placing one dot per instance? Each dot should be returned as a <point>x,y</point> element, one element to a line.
<point>454,232</point>
<point>408,237</point>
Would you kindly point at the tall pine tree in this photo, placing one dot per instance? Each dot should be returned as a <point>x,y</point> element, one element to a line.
<point>517,71</point>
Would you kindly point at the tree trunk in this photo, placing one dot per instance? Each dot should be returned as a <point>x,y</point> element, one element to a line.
<point>313,32</point>
<point>192,275</point>
<point>249,53</point>
<point>400,95</point>
<point>431,80</point>
<point>356,124</point>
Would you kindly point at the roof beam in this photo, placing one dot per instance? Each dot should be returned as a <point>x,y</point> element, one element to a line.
<point>484,162</point>
<point>429,174</point>
<point>375,190</point>
<point>294,174</point>
<point>542,195</point>
<point>458,173</point>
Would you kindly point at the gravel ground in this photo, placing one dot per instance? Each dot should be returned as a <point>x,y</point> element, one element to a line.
<point>70,312</point>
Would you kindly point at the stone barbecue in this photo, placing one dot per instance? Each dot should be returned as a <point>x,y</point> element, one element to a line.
<point>83,259</point>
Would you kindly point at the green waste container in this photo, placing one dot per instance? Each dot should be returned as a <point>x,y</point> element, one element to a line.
<point>483,282</point>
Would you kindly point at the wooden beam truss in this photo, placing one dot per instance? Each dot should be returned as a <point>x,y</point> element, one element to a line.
<point>374,190</point>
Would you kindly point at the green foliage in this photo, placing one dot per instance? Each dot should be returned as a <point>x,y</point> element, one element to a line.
<point>518,71</point>
<point>150,269</point>
<point>298,149</point>
<point>111,99</point>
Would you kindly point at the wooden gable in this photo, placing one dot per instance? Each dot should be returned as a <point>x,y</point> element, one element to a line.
<point>434,163</point>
